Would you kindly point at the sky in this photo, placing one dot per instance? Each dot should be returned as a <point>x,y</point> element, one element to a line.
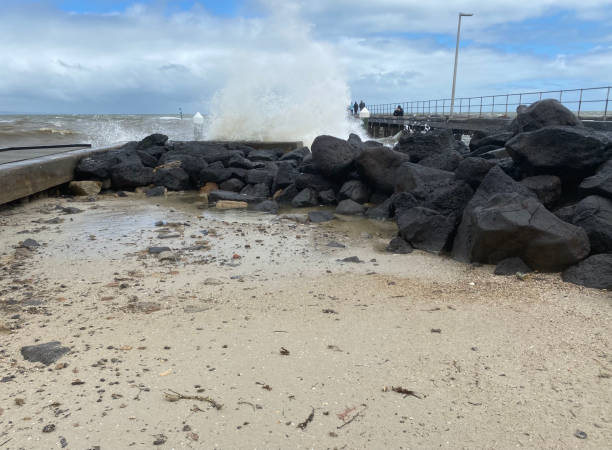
<point>155,56</point>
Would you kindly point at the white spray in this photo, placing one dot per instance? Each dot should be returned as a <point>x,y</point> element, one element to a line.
<point>283,86</point>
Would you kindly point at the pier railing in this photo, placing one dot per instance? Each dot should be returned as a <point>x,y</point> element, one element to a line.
<point>587,103</point>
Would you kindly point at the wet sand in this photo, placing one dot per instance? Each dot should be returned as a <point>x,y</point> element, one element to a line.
<point>491,362</point>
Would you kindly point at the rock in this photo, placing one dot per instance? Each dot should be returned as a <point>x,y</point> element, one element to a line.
<point>571,153</point>
<point>381,212</point>
<point>327,197</point>
<point>426,229</point>
<point>130,176</point>
<point>146,159</point>
<point>377,167</point>
<point>480,151</point>
<point>69,209</point>
<point>448,160</point>
<point>210,152</point>
<point>354,190</point>
<point>593,272</point>
<point>265,155</point>
<point>167,256</point>
<point>157,191</point>
<point>411,176</point>
<point>262,176</point>
<point>594,214</point>
<point>351,259</point>
<point>421,145</point>
<point>511,266</point>
<point>86,188</point>
<point>175,179</point>
<point>216,196</point>
<point>156,139</point>
<point>566,213</point>
<point>229,204</point>
<point>287,174</point>
<point>306,197</point>
<point>233,184</point>
<point>544,113</point>
<point>600,183</point>
<point>496,139</point>
<point>267,206</point>
<point>286,195</point>
<point>299,218</point>
<point>320,216</point>
<point>354,140</point>
<point>259,190</point>
<point>157,250</point>
<point>336,244</point>
<point>240,162</point>
<point>313,181</point>
<point>29,243</point>
<point>296,155</point>
<point>498,153</point>
<point>333,157</point>
<point>504,219</point>
<point>214,172</point>
<point>349,207</point>
<point>546,187</point>
<point>192,164</point>
<point>45,353</point>
<point>399,246</point>
<point>473,170</point>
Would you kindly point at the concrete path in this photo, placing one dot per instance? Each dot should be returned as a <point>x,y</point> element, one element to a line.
<point>21,155</point>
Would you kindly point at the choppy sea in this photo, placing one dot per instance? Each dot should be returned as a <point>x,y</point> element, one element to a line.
<point>97,130</point>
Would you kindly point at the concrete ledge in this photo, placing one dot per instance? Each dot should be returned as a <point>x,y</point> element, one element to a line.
<point>23,178</point>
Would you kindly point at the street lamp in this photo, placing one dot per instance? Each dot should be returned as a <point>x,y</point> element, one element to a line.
<point>456,58</point>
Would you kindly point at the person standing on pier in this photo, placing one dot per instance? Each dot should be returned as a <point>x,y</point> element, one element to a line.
<point>361,105</point>
<point>399,111</point>
<point>355,108</point>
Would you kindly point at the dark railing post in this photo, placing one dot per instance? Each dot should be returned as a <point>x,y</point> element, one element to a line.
<point>506,111</point>
<point>560,96</point>
<point>520,99</point>
<point>493,106</point>
<point>480,113</point>
<point>606,108</point>
<point>580,103</point>
<point>469,105</point>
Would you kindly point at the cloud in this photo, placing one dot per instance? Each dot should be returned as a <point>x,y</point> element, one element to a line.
<point>146,60</point>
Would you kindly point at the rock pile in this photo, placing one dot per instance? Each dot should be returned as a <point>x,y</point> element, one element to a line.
<point>537,196</point>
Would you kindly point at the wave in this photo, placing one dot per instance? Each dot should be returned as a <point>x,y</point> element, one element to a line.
<point>40,132</point>
<point>169,118</point>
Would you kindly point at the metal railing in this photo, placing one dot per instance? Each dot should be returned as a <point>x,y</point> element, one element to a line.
<point>587,103</point>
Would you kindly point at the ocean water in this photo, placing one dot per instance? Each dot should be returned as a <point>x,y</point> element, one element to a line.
<point>97,130</point>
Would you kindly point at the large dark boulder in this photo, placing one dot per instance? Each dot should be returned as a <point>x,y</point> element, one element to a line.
<point>265,175</point>
<point>156,139</point>
<point>191,164</point>
<point>409,176</point>
<point>214,173</point>
<point>211,152</point>
<point>306,197</point>
<point>333,157</point>
<point>546,187</point>
<point>260,190</point>
<point>600,183</point>
<point>295,155</point>
<point>215,196</point>
<point>287,195</point>
<point>349,208</point>
<point>495,139</point>
<point>448,160</point>
<point>313,181</point>
<point>425,228</point>
<point>473,170</point>
<point>147,159</point>
<point>593,272</point>
<point>355,190</point>
<point>571,153</point>
<point>421,145</point>
<point>544,113</point>
<point>240,162</point>
<point>511,266</point>
<point>377,167</point>
<point>130,176</point>
<point>504,219</point>
<point>399,246</point>
<point>99,165</point>
<point>233,185</point>
<point>267,206</point>
<point>383,211</point>
<point>265,155</point>
<point>327,197</point>
<point>594,214</point>
<point>175,179</point>
<point>287,174</point>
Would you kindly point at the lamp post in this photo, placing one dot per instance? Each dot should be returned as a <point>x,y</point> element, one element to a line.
<point>456,58</point>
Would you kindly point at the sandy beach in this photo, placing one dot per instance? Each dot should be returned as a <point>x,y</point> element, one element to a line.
<point>252,333</point>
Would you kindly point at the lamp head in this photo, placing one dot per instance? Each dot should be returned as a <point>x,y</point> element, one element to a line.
<point>465,14</point>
